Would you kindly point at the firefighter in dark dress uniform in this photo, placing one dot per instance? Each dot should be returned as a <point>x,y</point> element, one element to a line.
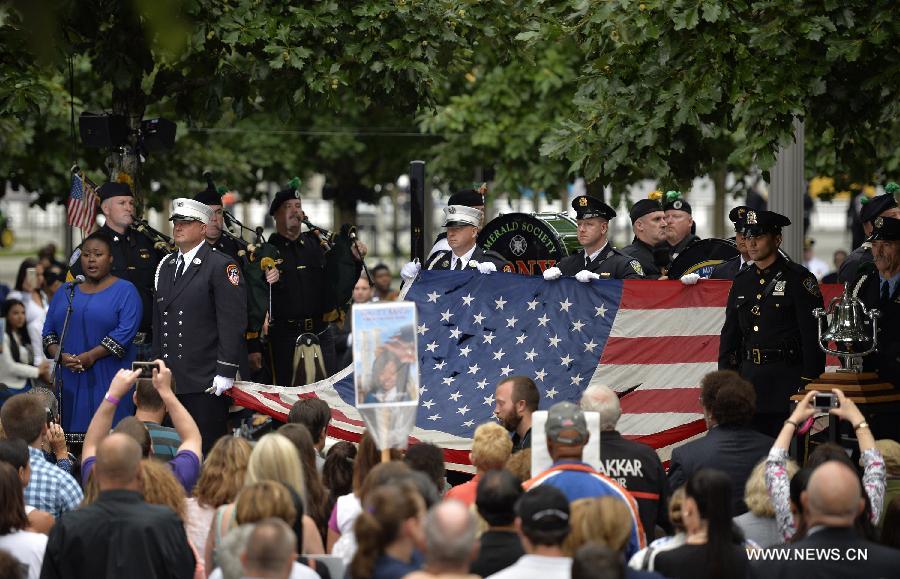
<point>884,205</point>
<point>306,297</point>
<point>199,317</point>
<point>597,258</point>
<point>462,225</point>
<point>880,288</point>
<point>770,334</point>
<point>648,220</point>
<point>680,227</point>
<point>729,268</point>
<point>135,256</point>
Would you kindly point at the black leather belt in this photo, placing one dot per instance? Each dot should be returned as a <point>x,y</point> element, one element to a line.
<point>762,356</point>
<point>301,324</point>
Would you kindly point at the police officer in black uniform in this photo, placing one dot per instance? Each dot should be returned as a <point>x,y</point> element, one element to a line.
<point>770,334</point>
<point>648,220</point>
<point>880,288</point>
<point>729,268</point>
<point>305,295</point>
<point>199,317</point>
<point>680,227</point>
<point>462,225</point>
<point>884,205</point>
<point>597,258</point>
<point>135,256</point>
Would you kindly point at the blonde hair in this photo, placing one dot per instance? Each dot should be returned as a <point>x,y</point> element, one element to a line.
<point>275,458</point>
<point>160,487</point>
<point>520,464</point>
<point>603,520</point>
<point>264,500</point>
<point>890,450</point>
<point>491,446</point>
<point>224,471</point>
<point>675,508</point>
<point>756,495</point>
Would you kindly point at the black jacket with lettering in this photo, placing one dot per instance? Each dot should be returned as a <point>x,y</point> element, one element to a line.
<point>637,467</point>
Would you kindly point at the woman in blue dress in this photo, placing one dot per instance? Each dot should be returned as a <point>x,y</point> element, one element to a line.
<point>105,317</point>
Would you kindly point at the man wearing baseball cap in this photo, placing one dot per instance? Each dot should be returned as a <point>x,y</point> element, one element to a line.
<point>199,318</point>
<point>567,434</point>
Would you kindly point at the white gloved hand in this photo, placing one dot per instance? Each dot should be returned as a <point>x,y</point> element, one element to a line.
<point>552,273</point>
<point>486,267</point>
<point>410,270</point>
<point>220,384</point>
<point>690,278</point>
<point>585,276</point>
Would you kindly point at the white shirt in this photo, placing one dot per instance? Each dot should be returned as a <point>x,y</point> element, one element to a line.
<point>589,258</point>
<point>28,548</point>
<point>464,257</point>
<point>189,256</point>
<point>537,566</point>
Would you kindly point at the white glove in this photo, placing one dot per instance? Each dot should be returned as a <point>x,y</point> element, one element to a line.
<point>410,270</point>
<point>220,384</point>
<point>552,273</point>
<point>486,267</point>
<point>690,278</point>
<point>585,276</point>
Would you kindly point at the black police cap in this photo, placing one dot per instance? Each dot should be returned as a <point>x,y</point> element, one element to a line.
<point>674,200</point>
<point>467,197</point>
<point>738,216</point>
<point>643,207</point>
<point>587,207</point>
<point>759,222</point>
<point>112,189</point>
<point>876,206</point>
<point>885,229</point>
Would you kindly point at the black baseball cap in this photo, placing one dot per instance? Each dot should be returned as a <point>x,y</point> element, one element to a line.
<point>544,507</point>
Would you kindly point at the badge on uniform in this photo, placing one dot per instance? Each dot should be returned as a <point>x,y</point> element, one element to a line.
<point>583,201</point>
<point>636,266</point>
<point>144,253</point>
<point>233,274</point>
<point>445,263</point>
<point>508,268</point>
<point>779,288</point>
<point>812,286</point>
<point>197,261</point>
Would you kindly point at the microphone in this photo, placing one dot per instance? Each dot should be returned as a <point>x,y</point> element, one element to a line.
<point>79,279</point>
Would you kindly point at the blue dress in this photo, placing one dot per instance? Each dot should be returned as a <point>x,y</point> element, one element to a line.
<point>109,318</point>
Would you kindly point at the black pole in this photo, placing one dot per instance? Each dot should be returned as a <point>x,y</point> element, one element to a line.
<point>417,210</point>
<point>57,388</point>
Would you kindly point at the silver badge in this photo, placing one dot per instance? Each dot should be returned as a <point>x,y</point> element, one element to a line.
<point>879,222</point>
<point>751,218</point>
<point>518,245</point>
<point>677,204</point>
<point>779,288</point>
<point>197,261</point>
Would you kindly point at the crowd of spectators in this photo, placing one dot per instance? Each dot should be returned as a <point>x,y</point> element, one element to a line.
<point>142,500</point>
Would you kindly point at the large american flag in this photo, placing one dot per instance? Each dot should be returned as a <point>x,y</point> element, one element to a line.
<point>651,341</point>
<point>82,207</point>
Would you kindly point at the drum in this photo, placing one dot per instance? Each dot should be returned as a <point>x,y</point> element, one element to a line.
<point>531,242</point>
<point>702,256</point>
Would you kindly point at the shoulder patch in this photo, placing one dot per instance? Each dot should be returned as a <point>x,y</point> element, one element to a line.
<point>636,266</point>
<point>233,273</point>
<point>508,267</point>
<point>812,286</point>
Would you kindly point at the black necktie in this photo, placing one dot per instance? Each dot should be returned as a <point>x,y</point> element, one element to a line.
<point>744,266</point>
<point>179,269</point>
<point>885,292</point>
<point>458,265</point>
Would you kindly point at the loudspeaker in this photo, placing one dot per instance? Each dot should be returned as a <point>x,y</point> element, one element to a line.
<point>102,131</point>
<point>158,134</point>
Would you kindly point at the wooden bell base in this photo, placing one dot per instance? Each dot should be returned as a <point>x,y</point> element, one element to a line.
<point>862,387</point>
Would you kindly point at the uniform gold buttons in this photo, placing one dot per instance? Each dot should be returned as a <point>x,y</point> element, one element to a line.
<point>759,296</point>
<point>762,281</point>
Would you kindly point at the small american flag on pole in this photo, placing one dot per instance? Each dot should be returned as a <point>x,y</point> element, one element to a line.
<point>82,207</point>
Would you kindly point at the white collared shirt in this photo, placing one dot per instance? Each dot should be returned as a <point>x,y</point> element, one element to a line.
<point>464,257</point>
<point>189,256</point>
<point>589,258</point>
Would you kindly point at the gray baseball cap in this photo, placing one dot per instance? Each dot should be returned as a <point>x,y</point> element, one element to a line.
<point>566,424</point>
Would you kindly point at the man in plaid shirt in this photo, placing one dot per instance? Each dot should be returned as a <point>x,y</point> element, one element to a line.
<point>50,489</point>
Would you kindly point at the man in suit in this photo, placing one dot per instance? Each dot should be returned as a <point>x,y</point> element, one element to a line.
<point>462,225</point>
<point>831,502</point>
<point>597,259</point>
<point>730,445</point>
<point>199,318</point>
<point>649,247</point>
<point>730,267</point>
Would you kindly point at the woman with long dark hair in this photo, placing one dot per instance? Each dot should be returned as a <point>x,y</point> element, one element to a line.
<point>28,290</point>
<point>105,317</point>
<point>17,363</point>
<point>713,547</point>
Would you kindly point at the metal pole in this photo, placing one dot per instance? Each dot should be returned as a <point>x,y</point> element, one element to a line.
<point>787,191</point>
<point>417,210</point>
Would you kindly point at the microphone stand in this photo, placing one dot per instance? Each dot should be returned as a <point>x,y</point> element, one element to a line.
<point>70,296</point>
<point>229,219</point>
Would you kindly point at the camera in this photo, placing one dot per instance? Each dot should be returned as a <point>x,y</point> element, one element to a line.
<point>146,369</point>
<point>826,401</point>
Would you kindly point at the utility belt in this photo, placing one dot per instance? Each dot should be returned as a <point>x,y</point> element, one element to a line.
<point>762,356</point>
<point>300,325</point>
<point>142,338</point>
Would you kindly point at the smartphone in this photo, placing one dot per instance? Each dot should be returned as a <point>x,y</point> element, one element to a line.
<point>31,277</point>
<point>826,401</point>
<point>146,369</point>
<point>49,417</point>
